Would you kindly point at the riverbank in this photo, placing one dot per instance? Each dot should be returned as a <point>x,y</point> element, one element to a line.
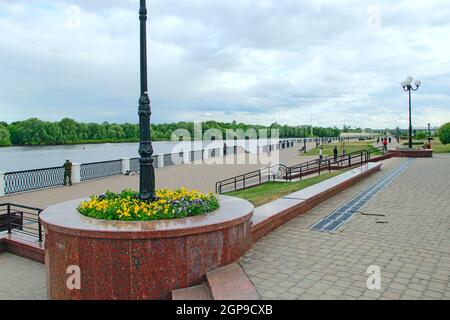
<point>17,158</point>
<point>196,176</point>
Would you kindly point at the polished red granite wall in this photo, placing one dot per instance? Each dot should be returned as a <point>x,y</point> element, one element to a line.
<point>15,245</point>
<point>141,260</point>
<point>419,153</point>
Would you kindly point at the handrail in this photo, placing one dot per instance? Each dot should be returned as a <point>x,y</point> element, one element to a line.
<point>100,162</point>
<point>32,170</point>
<point>21,221</point>
<point>298,170</point>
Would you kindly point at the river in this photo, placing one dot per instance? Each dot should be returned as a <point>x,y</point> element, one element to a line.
<point>26,158</point>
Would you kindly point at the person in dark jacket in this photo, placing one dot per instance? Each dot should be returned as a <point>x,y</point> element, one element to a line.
<point>335,153</point>
<point>67,172</point>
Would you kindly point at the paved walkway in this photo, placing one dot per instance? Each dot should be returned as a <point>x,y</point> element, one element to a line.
<point>21,279</point>
<point>202,177</point>
<point>405,231</point>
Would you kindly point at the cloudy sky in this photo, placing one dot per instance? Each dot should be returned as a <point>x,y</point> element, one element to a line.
<point>252,61</point>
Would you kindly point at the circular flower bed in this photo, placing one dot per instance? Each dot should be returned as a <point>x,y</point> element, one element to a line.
<point>170,204</point>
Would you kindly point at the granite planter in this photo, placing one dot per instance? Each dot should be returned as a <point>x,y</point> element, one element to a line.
<point>140,260</point>
<point>411,153</point>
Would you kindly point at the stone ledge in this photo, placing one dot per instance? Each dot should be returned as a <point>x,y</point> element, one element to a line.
<point>22,247</point>
<point>270,216</point>
<point>64,218</point>
<point>231,283</point>
<point>415,153</point>
<point>200,292</point>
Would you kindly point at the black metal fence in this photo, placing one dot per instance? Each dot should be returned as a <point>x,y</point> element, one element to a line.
<point>196,155</point>
<point>15,218</point>
<point>95,170</point>
<point>282,172</point>
<point>27,180</point>
<point>251,179</point>
<point>136,167</point>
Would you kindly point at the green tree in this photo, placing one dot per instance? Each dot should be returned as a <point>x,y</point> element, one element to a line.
<point>131,131</point>
<point>69,130</point>
<point>421,135</point>
<point>444,133</point>
<point>115,131</point>
<point>96,131</point>
<point>29,132</point>
<point>54,133</point>
<point>5,138</point>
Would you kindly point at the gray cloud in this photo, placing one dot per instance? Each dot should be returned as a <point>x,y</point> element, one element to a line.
<point>253,61</point>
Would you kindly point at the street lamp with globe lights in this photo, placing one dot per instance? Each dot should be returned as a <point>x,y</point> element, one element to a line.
<point>409,86</point>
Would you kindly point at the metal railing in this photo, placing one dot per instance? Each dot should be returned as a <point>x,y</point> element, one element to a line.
<point>282,172</point>
<point>251,179</point>
<point>101,169</point>
<point>15,218</point>
<point>21,181</point>
<point>373,150</point>
<point>35,179</point>
<point>196,155</point>
<point>135,166</point>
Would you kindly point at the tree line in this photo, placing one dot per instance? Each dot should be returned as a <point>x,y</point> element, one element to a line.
<point>33,131</point>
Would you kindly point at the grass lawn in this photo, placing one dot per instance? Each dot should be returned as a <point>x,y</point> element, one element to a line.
<point>273,190</point>
<point>349,147</point>
<point>436,145</point>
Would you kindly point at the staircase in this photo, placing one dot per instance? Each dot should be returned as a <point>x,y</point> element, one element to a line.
<point>227,283</point>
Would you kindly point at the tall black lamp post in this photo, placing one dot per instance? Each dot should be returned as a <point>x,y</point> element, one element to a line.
<point>304,139</point>
<point>429,133</point>
<point>407,85</point>
<point>147,172</point>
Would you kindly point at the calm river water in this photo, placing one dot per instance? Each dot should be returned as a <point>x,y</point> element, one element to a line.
<point>25,158</point>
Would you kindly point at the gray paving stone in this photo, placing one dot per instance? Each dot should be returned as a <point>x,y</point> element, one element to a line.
<point>21,279</point>
<point>412,248</point>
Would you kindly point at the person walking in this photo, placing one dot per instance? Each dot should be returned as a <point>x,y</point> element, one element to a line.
<point>321,153</point>
<point>224,149</point>
<point>385,142</point>
<point>67,172</point>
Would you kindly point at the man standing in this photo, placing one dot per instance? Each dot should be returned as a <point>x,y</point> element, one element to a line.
<point>335,153</point>
<point>67,172</point>
<point>321,153</point>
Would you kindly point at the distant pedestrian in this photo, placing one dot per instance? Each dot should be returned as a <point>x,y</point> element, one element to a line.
<point>378,140</point>
<point>67,172</point>
<point>343,151</point>
<point>385,142</point>
<point>390,139</point>
<point>225,149</point>
<point>321,153</point>
<point>335,153</point>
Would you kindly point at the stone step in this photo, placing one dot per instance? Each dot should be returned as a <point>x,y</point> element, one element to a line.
<point>200,292</point>
<point>231,283</point>
<point>227,283</point>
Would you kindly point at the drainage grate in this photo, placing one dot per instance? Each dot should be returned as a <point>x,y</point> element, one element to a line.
<point>339,216</point>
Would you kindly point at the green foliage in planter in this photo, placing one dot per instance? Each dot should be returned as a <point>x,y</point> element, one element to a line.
<point>170,204</point>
